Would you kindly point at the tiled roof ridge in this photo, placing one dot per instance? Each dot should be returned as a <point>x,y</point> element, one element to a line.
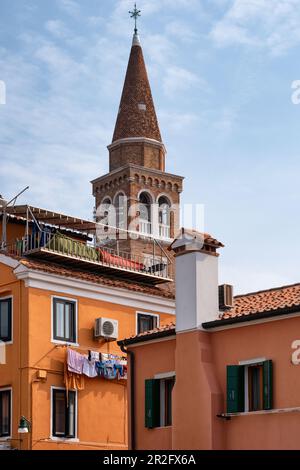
<point>264,291</point>
<point>102,279</point>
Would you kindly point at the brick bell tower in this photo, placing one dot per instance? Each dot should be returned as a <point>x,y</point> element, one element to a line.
<point>138,194</point>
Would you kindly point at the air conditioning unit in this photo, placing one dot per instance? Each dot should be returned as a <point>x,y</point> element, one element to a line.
<point>225,297</point>
<point>107,329</point>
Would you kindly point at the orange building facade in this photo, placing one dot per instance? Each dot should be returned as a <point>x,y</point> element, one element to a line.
<point>218,380</point>
<point>33,361</point>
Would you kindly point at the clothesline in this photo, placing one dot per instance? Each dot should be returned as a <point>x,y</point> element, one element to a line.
<point>94,365</point>
<point>88,349</point>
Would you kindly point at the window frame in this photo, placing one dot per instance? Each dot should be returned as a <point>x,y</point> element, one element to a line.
<point>54,338</point>
<point>146,314</point>
<point>163,401</point>
<point>158,397</point>
<point>237,388</point>
<point>64,437</point>
<point>10,338</point>
<point>247,399</point>
<point>8,436</point>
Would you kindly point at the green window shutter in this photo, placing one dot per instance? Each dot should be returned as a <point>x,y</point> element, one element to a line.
<point>152,403</point>
<point>235,389</point>
<point>268,385</point>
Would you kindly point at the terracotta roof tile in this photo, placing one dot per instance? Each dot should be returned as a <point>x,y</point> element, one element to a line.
<point>165,330</point>
<point>52,268</point>
<point>271,300</point>
<point>264,301</point>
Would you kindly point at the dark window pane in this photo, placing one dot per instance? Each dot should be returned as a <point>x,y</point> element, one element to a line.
<point>255,388</point>
<point>5,320</point>
<point>64,321</point>
<point>64,414</point>
<point>5,403</point>
<point>59,418</point>
<point>169,384</point>
<point>71,414</point>
<point>146,323</point>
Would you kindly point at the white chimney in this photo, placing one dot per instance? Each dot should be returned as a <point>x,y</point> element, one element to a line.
<point>197,291</point>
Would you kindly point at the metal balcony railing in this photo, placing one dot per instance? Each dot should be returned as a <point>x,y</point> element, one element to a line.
<point>55,246</point>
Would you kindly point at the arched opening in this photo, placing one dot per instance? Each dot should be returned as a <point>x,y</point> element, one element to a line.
<point>145,213</point>
<point>164,219</point>
<point>121,211</point>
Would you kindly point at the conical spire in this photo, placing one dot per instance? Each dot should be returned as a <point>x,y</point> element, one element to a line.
<point>137,116</point>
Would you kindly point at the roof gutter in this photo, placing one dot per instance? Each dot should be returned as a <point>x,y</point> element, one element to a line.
<point>132,392</point>
<point>251,317</point>
<point>147,337</point>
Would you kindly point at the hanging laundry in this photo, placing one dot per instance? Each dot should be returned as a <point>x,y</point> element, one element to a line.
<point>110,372</point>
<point>75,361</point>
<point>73,381</point>
<point>89,368</point>
<point>100,366</point>
<point>94,356</point>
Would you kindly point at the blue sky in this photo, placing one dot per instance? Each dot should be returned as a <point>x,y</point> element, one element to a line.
<point>221,73</point>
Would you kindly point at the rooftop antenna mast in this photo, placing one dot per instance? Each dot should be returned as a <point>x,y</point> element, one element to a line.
<point>11,203</point>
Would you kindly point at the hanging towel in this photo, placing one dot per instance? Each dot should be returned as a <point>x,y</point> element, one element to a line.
<point>73,381</point>
<point>89,368</point>
<point>75,362</point>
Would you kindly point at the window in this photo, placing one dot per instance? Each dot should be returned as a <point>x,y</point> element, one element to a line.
<point>5,413</point>
<point>164,215</point>
<point>145,213</point>
<point>64,320</point>
<point>6,320</point>
<point>250,387</point>
<point>63,414</point>
<point>121,210</point>
<point>255,387</point>
<point>158,402</point>
<point>146,322</point>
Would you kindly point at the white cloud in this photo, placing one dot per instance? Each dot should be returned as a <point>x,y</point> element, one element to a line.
<point>178,79</point>
<point>57,28</point>
<point>175,122</point>
<point>181,31</point>
<point>274,25</point>
<point>71,7</point>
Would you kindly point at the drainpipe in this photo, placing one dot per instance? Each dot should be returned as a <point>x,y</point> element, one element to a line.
<point>132,393</point>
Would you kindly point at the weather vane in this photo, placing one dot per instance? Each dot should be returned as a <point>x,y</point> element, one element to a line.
<point>135,14</point>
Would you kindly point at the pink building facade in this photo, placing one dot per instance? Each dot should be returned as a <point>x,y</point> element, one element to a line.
<point>218,380</point>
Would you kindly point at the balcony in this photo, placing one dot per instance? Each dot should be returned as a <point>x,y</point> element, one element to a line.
<point>144,227</point>
<point>59,248</point>
<point>164,231</point>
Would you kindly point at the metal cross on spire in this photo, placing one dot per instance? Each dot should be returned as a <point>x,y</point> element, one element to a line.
<point>135,14</point>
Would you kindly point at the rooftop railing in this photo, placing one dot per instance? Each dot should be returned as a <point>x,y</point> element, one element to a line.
<point>55,246</point>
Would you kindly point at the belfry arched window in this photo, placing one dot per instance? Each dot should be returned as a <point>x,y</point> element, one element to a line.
<point>121,210</point>
<point>164,219</point>
<point>145,213</point>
